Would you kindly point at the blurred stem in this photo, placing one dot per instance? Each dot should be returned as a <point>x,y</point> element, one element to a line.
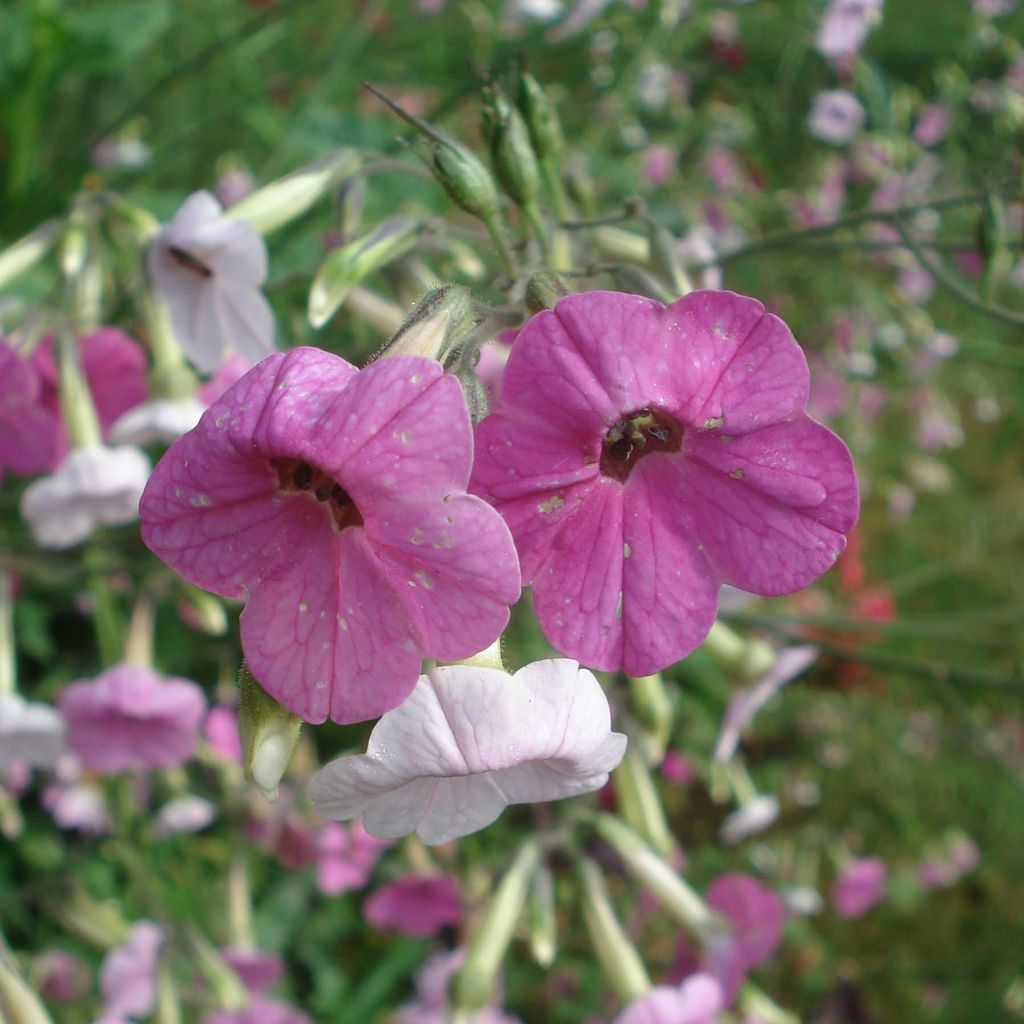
<point>138,641</point>
<point>168,1006</point>
<point>76,403</point>
<point>533,218</point>
<point>616,952</point>
<point>553,179</point>
<point>377,311</point>
<point>106,618</point>
<point>8,655</point>
<point>240,902</point>
<point>654,713</point>
<point>507,259</point>
<point>756,1004</point>
<point>638,800</point>
<point>18,1003</point>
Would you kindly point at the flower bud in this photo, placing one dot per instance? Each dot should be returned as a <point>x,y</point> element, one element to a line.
<point>344,268</point>
<point>205,610</point>
<point>617,954</point>
<point>540,116</point>
<point>25,253</point>
<point>638,800</point>
<point>654,714</point>
<point>665,259</point>
<point>351,197</point>
<point>289,197</point>
<point>269,734</point>
<point>435,328</point>
<point>543,290</point>
<point>512,156</point>
<point>542,918</point>
<point>477,982</point>
<point>465,179</point>
<point>751,658</point>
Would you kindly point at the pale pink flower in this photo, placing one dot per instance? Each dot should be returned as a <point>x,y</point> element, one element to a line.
<point>346,857</point>
<point>30,733</point>
<point>845,25</point>
<point>756,917</point>
<point>233,186</point>
<point>75,804</point>
<point>334,501</point>
<point>208,269</point>
<point>660,164</point>
<point>643,455</point>
<point>860,886</point>
<point>128,973</point>
<point>431,1003</point>
<point>746,702</point>
<point>932,124</point>
<point>94,486</point>
<point>697,1001</point>
<point>183,814</point>
<point>415,905</point>
<point>470,741</point>
<point>257,970</point>
<point>836,116</point>
<point>221,732</point>
<point>131,718</point>
<point>259,1011</point>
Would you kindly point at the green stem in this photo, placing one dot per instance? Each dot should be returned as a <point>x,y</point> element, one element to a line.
<point>533,218</point>
<point>8,654</point>
<point>105,614</point>
<point>76,403</point>
<point>507,259</point>
<point>638,800</point>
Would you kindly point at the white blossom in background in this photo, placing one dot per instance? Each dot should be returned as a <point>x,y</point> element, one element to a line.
<point>94,486</point>
<point>748,819</point>
<point>208,269</point>
<point>836,116</point>
<point>468,742</point>
<point>183,814</point>
<point>845,26</point>
<point>29,732</point>
<point>158,421</point>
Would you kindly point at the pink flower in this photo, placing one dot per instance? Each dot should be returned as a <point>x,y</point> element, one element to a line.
<point>415,905</point>
<point>696,1001</point>
<point>334,501</point>
<point>257,970</point>
<point>469,742</point>
<point>845,25</point>
<point>756,917</point>
<point>676,768</point>
<point>643,455</point>
<point>860,886</point>
<point>259,1011</point>
<point>836,117</point>
<point>62,977</point>
<point>130,717</point>
<point>128,973</point>
<point>660,163</point>
<point>431,1003</point>
<point>208,269</point>
<point>221,732</point>
<point>345,857</point>
<point>932,124</point>
<point>31,440</point>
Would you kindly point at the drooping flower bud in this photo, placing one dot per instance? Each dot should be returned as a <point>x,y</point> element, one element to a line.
<point>436,328</point>
<point>344,268</point>
<point>284,200</point>
<point>26,252</point>
<point>269,734</point>
<point>751,658</point>
<point>540,116</point>
<point>477,983</point>
<point>512,155</point>
<point>542,917</point>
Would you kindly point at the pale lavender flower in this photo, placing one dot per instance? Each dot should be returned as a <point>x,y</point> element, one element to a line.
<point>470,741</point>
<point>696,1001</point>
<point>208,269</point>
<point>845,25</point>
<point>836,116</point>
<point>128,973</point>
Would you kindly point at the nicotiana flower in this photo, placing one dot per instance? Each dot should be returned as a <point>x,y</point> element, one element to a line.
<point>415,905</point>
<point>94,486</point>
<point>470,741</point>
<point>860,886</point>
<point>208,269</point>
<point>334,500</point>
<point>751,817</point>
<point>183,814</point>
<point>29,732</point>
<point>128,973</point>
<point>836,116</point>
<point>258,971</point>
<point>345,858</point>
<point>845,25</point>
<point>260,1011</point>
<point>643,455</point>
<point>161,420</point>
<point>696,1001</point>
<point>129,717</point>
<point>431,1003</point>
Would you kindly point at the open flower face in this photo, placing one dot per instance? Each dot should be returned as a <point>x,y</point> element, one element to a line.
<point>645,454</point>
<point>208,269</point>
<point>470,741</point>
<point>334,501</point>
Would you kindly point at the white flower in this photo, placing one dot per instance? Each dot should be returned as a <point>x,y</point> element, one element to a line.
<point>93,486</point>
<point>747,820</point>
<point>836,116</point>
<point>468,742</point>
<point>29,732</point>
<point>208,269</point>
<point>183,814</point>
<point>160,420</point>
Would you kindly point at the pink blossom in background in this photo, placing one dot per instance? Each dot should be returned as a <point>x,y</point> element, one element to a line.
<point>697,1001</point>
<point>93,487</point>
<point>825,203</point>
<point>78,805</point>
<point>346,857</point>
<point>491,365</point>
<point>643,455</point>
<point>756,917</point>
<point>62,977</point>
<point>430,1006</point>
<point>230,370</point>
<point>723,170</point>
<point>128,973</point>
<point>836,116</point>
<point>415,905</point>
<point>31,733</point>
<point>659,164</point>
<point>233,186</point>
<point>676,768</point>
<point>932,124</point>
<point>334,501</point>
<point>845,26</point>
<point>260,1011</point>
<point>221,732</point>
<point>132,718</point>
<point>257,970</point>
<point>468,743</point>
<point>31,439</point>
<point>860,886</point>
<point>208,270</point>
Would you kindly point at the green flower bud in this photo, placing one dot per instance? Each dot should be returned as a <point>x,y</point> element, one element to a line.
<point>25,253</point>
<point>512,155</point>
<point>540,116</point>
<point>543,290</point>
<point>442,319</point>
<point>542,918</point>
<point>269,734</point>
<point>665,259</point>
<point>751,658</point>
<point>346,267</point>
<point>18,1003</point>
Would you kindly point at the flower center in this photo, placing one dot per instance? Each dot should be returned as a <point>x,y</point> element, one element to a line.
<point>187,261</point>
<point>637,434</point>
<point>296,476</point>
